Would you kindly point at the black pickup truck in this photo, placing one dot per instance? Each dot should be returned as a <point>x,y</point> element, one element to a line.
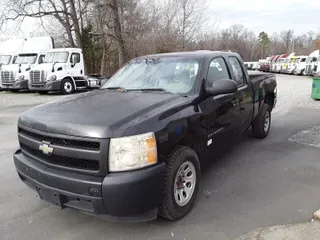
<point>133,149</point>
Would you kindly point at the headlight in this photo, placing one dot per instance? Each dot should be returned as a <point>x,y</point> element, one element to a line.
<point>52,78</point>
<point>21,78</point>
<point>93,83</point>
<point>134,152</point>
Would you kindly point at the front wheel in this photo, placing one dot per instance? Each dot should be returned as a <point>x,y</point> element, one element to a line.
<point>262,123</point>
<point>67,86</point>
<point>181,183</point>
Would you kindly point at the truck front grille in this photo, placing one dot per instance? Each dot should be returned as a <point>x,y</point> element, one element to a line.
<point>70,153</point>
<point>62,142</point>
<point>37,76</point>
<point>7,76</point>
<point>60,160</point>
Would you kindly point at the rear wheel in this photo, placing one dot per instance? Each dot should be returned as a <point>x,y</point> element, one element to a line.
<point>181,183</point>
<point>262,123</point>
<point>67,86</point>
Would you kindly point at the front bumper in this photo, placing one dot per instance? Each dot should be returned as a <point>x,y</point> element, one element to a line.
<point>128,196</point>
<point>18,85</point>
<point>46,86</point>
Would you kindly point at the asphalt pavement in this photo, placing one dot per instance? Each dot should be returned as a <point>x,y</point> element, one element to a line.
<point>256,183</point>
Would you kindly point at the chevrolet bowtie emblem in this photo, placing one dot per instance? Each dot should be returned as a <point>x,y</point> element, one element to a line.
<point>45,148</point>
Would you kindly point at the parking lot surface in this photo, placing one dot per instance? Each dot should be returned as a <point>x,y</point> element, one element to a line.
<point>255,183</point>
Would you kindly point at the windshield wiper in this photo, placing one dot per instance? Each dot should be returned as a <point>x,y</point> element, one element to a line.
<point>153,90</point>
<point>116,88</point>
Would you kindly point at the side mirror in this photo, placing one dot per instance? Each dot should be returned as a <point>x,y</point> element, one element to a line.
<point>222,87</point>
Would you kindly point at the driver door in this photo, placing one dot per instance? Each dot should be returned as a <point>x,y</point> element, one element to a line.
<point>221,112</point>
<point>76,65</point>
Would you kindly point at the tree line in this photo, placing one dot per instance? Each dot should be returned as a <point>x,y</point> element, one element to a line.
<point>111,32</point>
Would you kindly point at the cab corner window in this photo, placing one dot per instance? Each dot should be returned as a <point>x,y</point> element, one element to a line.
<point>237,70</point>
<point>217,71</point>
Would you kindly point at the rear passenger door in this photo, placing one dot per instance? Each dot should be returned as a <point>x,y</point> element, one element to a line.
<point>221,112</point>
<point>244,96</point>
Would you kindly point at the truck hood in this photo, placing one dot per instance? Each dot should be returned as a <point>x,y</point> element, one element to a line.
<point>97,114</point>
<point>15,67</point>
<point>47,66</point>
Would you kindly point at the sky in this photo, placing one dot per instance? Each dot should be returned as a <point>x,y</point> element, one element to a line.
<point>256,15</point>
<point>268,15</point>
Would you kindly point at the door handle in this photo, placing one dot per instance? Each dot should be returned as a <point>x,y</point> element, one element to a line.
<point>235,102</point>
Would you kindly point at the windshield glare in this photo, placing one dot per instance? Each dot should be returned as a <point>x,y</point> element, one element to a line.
<point>5,59</point>
<point>26,59</point>
<point>58,57</point>
<point>174,74</point>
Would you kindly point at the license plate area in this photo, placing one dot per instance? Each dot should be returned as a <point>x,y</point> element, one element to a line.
<point>49,196</point>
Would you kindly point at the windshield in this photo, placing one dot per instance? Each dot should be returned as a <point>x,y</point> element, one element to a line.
<point>5,59</point>
<point>26,59</point>
<point>58,57</point>
<point>174,74</point>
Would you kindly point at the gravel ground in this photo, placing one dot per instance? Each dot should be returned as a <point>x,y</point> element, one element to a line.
<point>8,99</point>
<point>293,91</point>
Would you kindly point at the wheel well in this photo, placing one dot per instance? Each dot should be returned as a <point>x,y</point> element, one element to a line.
<point>193,144</point>
<point>69,78</point>
<point>269,99</point>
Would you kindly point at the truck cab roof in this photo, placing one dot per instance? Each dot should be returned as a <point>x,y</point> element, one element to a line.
<point>78,50</point>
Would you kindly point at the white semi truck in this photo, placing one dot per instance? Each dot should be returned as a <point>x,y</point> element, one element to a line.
<point>311,61</point>
<point>15,76</point>
<point>62,70</point>
<point>8,53</point>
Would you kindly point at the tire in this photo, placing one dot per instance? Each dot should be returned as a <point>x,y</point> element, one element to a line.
<point>67,86</point>
<point>261,128</point>
<point>43,92</point>
<point>302,72</point>
<point>14,90</point>
<point>180,158</point>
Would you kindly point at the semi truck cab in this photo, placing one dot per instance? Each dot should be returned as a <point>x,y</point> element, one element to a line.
<point>63,70</point>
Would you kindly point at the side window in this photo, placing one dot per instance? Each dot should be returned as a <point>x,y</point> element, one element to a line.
<point>218,70</point>
<point>41,59</point>
<point>75,56</point>
<point>237,70</point>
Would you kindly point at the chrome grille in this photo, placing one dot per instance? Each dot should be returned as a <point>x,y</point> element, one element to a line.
<point>37,76</point>
<point>7,76</point>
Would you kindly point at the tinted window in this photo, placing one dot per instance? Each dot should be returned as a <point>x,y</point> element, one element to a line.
<point>41,59</point>
<point>76,56</point>
<point>217,71</point>
<point>237,70</point>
